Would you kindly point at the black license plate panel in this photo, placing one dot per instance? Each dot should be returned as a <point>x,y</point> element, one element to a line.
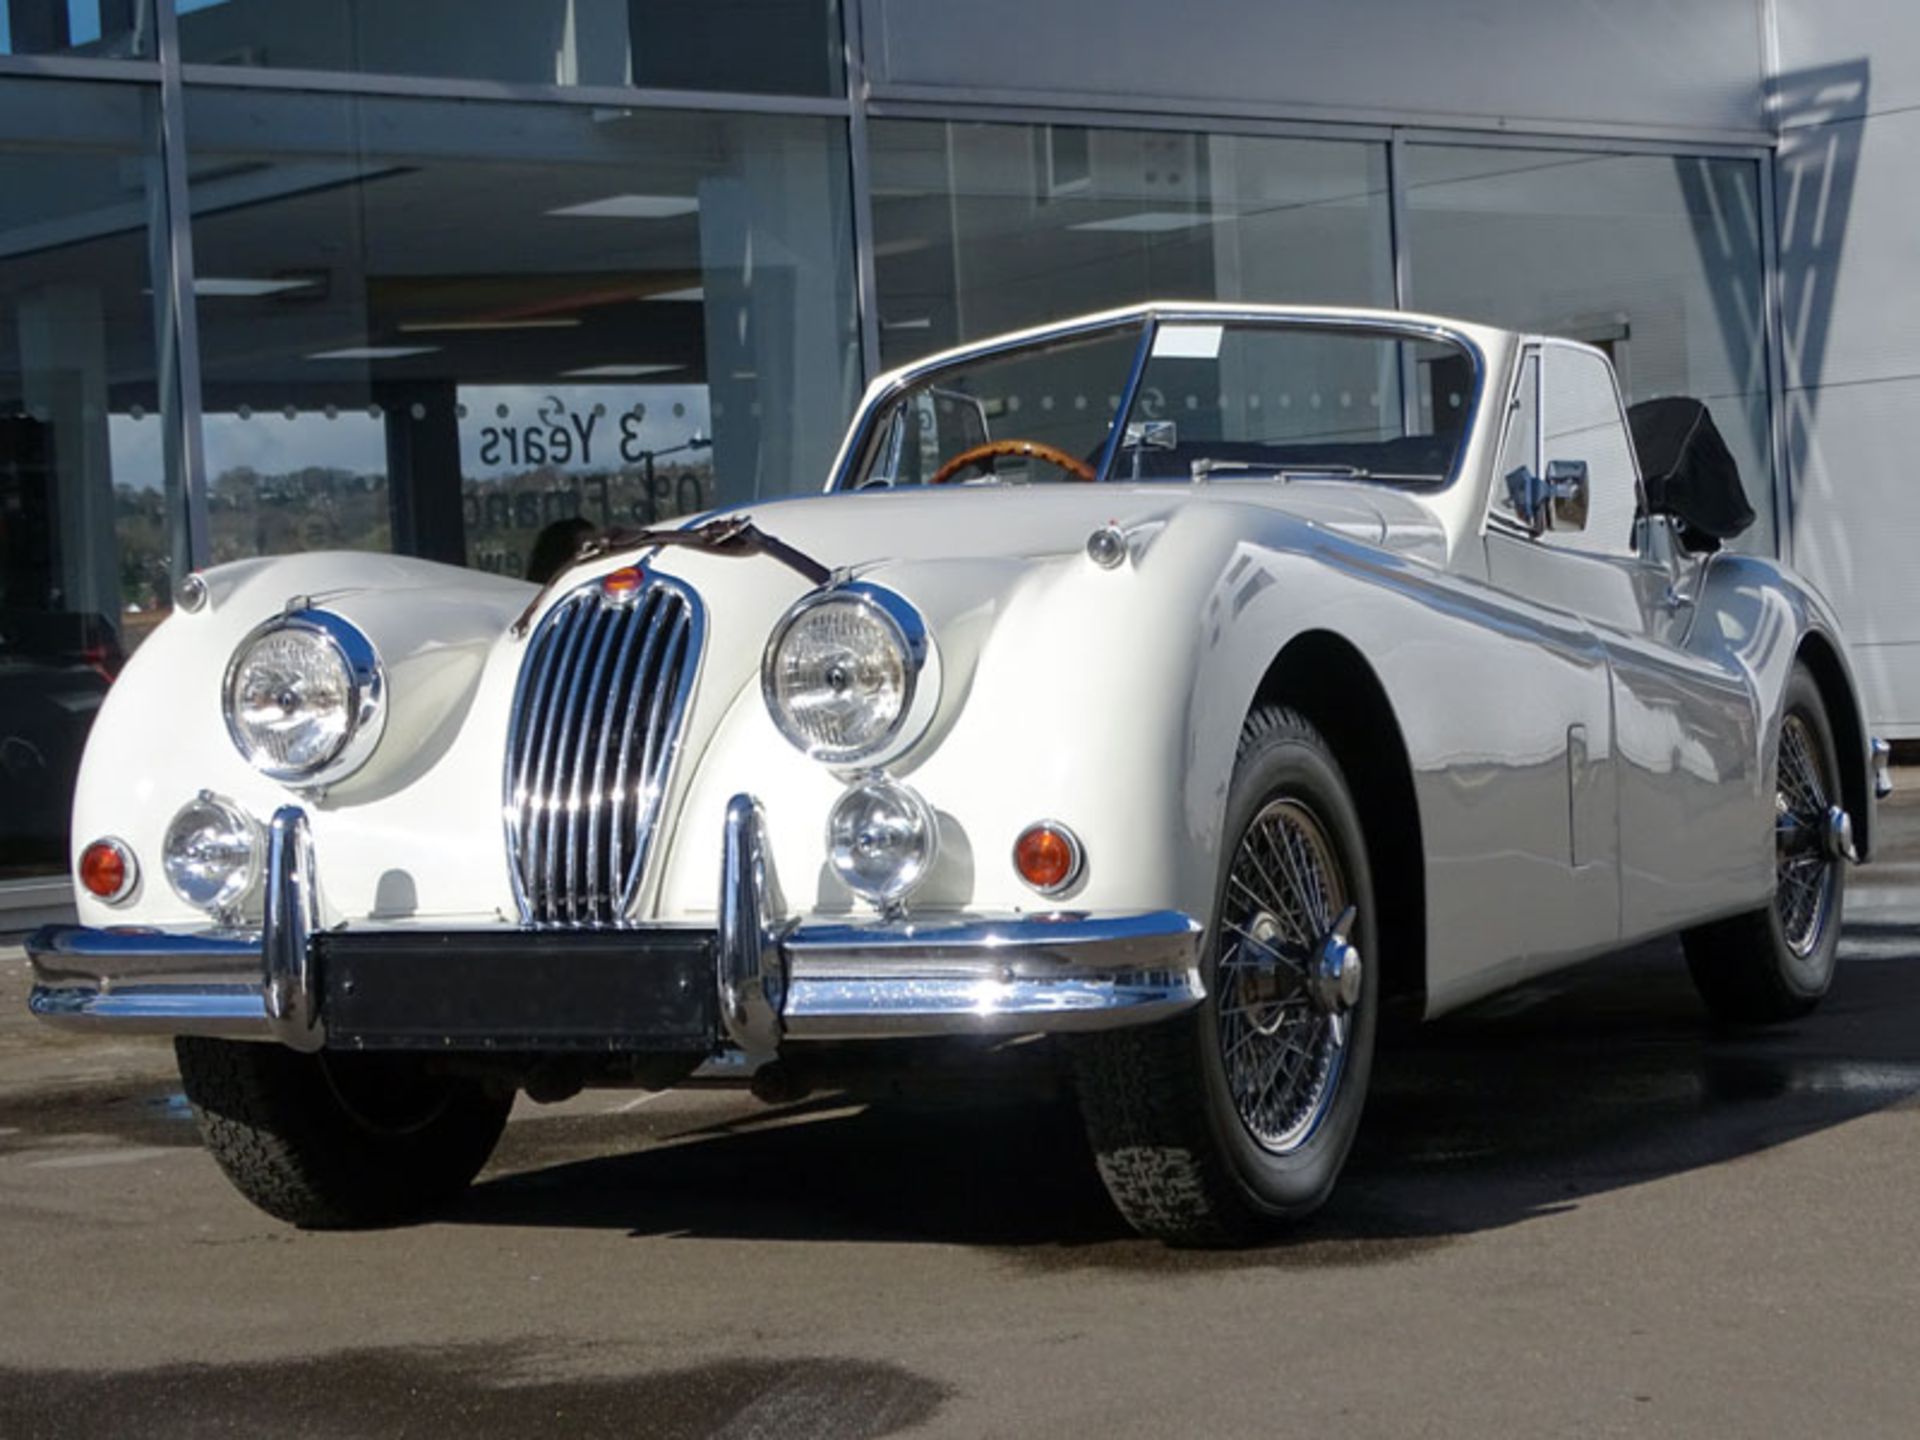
<point>532,990</point>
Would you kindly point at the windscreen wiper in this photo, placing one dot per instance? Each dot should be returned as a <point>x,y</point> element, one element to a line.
<point>736,536</point>
<point>1204,469</point>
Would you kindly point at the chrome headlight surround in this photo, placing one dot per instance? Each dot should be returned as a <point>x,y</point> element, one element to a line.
<point>366,697</point>
<point>913,647</point>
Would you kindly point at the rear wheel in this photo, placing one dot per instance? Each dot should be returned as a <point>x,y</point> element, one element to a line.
<point>1777,963</point>
<point>334,1141</point>
<point>1210,1128</point>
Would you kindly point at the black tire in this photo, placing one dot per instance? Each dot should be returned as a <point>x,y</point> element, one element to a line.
<point>1750,969</point>
<point>332,1142</point>
<point>1176,1156</point>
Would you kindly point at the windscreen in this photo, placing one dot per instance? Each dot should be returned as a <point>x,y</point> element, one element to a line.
<point>1009,411</point>
<point>1274,399</point>
<point>1291,400</point>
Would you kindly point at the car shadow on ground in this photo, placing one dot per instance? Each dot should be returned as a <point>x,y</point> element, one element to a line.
<point>1601,1078</point>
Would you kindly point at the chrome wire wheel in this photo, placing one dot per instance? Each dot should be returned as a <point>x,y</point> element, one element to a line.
<point>1774,963</point>
<point>1214,1126</point>
<point>1804,864</point>
<point>1282,1046</point>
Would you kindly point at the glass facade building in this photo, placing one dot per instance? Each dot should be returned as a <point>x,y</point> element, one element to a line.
<point>428,277</point>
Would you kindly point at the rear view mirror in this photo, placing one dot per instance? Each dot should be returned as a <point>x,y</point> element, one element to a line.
<point>1151,435</point>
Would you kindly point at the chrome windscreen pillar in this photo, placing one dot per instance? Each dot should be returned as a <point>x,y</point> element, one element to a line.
<point>752,971</point>
<point>288,988</point>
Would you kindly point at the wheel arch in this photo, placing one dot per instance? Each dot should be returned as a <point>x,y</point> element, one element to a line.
<point>1823,661</point>
<point>1327,679</point>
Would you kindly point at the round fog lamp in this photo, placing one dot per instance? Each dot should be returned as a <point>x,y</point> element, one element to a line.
<point>211,855</point>
<point>881,838</point>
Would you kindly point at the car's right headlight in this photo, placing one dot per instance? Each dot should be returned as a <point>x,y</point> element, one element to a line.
<point>851,675</point>
<point>306,698</point>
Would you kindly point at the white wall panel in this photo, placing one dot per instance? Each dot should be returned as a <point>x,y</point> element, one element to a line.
<point>1849,216</point>
<point>1850,246</point>
<point>1857,532</point>
<point>1650,64</point>
<point>1844,39</point>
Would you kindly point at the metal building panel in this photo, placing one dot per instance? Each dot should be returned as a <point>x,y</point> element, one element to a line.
<point>1647,64</point>
<point>1856,533</point>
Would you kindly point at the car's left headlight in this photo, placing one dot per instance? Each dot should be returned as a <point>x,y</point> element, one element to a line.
<point>306,698</point>
<point>851,675</point>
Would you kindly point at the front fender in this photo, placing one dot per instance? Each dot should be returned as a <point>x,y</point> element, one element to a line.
<point>161,737</point>
<point>1110,700</point>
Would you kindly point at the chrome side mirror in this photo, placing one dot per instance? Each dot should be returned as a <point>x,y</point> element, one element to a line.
<point>1559,502</point>
<point>1568,494</point>
<point>1150,435</point>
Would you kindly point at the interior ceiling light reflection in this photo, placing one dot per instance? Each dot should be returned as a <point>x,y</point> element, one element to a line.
<point>632,207</point>
<point>428,327</point>
<point>624,372</point>
<point>245,287</point>
<point>1148,222</point>
<point>373,352</point>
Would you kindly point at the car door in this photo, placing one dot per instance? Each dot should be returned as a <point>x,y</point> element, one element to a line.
<point>1682,741</point>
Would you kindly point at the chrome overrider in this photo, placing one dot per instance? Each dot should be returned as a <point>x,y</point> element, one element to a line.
<point>778,979</point>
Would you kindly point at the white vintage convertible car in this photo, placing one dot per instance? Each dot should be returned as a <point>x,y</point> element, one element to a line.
<point>1195,683</point>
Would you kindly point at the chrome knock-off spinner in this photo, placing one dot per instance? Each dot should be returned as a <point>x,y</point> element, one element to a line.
<point>1333,982</point>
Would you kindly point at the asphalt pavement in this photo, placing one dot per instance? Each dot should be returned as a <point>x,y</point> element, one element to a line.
<point>1578,1209</point>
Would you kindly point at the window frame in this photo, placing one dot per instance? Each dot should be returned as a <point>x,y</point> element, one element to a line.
<point>1497,517</point>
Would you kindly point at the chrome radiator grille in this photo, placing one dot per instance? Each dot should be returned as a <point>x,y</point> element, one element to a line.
<point>595,724</point>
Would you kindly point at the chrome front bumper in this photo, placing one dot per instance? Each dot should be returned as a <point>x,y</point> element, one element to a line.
<point>776,979</point>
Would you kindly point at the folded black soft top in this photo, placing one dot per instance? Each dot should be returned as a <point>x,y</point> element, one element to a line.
<point>1689,472</point>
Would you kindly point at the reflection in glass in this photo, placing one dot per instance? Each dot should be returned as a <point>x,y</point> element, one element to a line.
<point>98,29</point>
<point>1654,258</point>
<point>790,47</point>
<point>90,507</point>
<point>441,326</point>
<point>985,228</point>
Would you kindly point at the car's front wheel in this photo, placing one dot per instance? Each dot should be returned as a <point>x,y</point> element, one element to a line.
<point>334,1141</point>
<point>1210,1128</point>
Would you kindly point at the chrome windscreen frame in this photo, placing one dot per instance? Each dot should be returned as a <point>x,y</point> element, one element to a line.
<point>1150,318</point>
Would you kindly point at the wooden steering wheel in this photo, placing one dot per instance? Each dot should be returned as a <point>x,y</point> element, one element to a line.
<point>1038,449</point>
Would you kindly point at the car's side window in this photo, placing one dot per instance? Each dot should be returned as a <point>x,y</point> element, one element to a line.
<point>1581,421</point>
<point>1520,442</point>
